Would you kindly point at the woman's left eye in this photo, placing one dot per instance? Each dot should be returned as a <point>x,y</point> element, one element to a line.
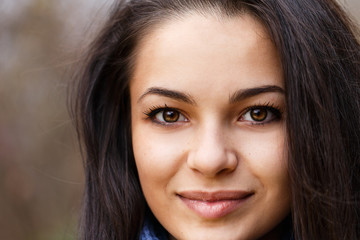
<point>261,115</point>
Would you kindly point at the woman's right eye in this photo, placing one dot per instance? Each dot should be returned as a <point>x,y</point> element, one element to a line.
<point>167,116</point>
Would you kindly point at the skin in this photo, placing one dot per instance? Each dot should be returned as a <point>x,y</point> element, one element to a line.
<point>214,145</point>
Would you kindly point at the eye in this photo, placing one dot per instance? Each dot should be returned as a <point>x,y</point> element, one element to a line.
<point>261,115</point>
<point>169,116</point>
<point>166,116</point>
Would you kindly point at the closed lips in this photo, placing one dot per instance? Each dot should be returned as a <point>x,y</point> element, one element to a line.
<point>214,196</point>
<point>214,205</point>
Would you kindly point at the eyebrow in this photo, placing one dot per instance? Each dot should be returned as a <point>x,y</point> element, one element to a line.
<point>251,92</point>
<point>168,93</point>
<point>236,97</point>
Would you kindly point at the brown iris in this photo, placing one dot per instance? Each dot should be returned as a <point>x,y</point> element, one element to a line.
<point>170,116</point>
<point>258,114</point>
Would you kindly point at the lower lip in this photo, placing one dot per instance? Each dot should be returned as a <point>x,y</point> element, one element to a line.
<point>213,209</point>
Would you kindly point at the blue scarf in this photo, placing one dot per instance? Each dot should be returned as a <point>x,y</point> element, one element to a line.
<point>150,232</point>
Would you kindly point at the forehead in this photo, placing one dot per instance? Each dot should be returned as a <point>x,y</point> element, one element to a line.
<point>198,50</point>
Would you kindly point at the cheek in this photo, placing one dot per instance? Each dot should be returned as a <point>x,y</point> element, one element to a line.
<point>265,155</point>
<point>266,160</point>
<point>158,156</point>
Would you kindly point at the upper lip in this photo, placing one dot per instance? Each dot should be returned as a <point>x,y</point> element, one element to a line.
<point>214,196</point>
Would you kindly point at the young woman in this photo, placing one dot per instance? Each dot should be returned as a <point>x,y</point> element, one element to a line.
<point>228,119</point>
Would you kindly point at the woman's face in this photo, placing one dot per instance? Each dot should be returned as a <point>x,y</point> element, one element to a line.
<point>207,108</point>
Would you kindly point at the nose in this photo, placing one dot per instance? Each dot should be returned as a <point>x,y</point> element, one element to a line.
<point>211,154</point>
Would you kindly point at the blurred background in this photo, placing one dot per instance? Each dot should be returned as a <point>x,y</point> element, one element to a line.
<point>41,175</point>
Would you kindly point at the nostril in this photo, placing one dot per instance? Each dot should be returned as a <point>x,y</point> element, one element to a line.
<point>221,172</point>
<point>212,163</point>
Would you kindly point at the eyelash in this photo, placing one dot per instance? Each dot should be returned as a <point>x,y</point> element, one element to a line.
<point>152,111</point>
<point>273,109</point>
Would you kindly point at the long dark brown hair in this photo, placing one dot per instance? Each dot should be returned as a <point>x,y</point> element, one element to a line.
<point>320,58</point>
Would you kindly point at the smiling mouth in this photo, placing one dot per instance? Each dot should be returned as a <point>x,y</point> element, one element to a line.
<point>213,205</point>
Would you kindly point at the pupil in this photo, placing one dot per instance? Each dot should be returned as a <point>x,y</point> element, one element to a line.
<point>170,116</point>
<point>258,114</point>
